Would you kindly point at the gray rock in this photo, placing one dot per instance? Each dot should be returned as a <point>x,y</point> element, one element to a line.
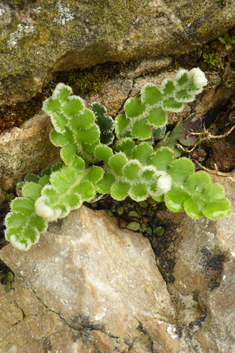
<point>91,279</point>
<point>88,286</point>
<point>201,277</point>
<point>40,38</point>
<point>26,150</point>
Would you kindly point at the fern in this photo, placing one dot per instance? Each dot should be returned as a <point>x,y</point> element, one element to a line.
<point>134,166</point>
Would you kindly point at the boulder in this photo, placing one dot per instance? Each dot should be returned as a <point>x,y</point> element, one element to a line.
<point>26,150</point>
<point>43,37</point>
<point>198,265</point>
<point>92,284</point>
<point>88,286</point>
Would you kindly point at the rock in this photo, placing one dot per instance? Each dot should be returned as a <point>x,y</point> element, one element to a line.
<point>88,286</point>
<point>112,94</point>
<point>41,38</point>
<point>91,283</point>
<point>219,331</point>
<point>201,275</point>
<point>26,150</point>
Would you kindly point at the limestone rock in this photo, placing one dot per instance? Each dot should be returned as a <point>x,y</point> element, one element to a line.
<point>93,281</point>
<point>198,265</point>
<point>41,37</point>
<point>26,150</point>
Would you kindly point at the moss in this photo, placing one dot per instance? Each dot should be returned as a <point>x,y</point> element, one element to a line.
<point>84,81</point>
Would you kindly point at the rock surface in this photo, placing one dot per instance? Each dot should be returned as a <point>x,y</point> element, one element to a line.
<point>91,281</point>
<point>25,150</point>
<point>41,37</point>
<point>198,265</point>
<point>88,286</point>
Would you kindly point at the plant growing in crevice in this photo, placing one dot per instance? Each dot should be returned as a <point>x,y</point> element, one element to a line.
<point>134,166</point>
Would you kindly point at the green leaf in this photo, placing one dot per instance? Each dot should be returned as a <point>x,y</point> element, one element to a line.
<point>180,169</point>
<point>157,117</point>
<point>181,79</point>
<point>162,158</point>
<point>213,192</point>
<point>69,174</point>
<point>217,208</point>
<point>51,105</point>
<point>158,133</point>
<point>94,174</point>
<point>67,152</point>
<point>56,167</point>
<point>31,177</point>
<point>104,185</point>
<point>133,226</point>
<point>133,107</point>
<point>119,190</point>
<point>172,106</point>
<point>74,105</point>
<point>84,120</point>
<point>121,122</point>
<point>105,123</point>
<point>175,199</point>
<point>23,225</point>
<point>32,191</point>
<point>139,192</point>
<point>117,162</point>
<point>142,130</point>
<point>50,193</point>
<point>183,96</point>
<point>38,222</point>
<point>59,180</point>
<point>86,190</point>
<point>22,239</point>
<point>59,139</point>
<point>142,152</point>
<point>197,182</point>
<point>59,121</point>
<point>167,87</point>
<point>44,180</point>
<point>62,92</point>
<point>103,152</point>
<point>87,136</point>
<point>151,95</point>
<point>15,219</point>
<point>148,173</point>
<point>193,206</point>
<point>126,146</point>
<point>23,205</point>
<point>78,163</point>
<point>132,169</point>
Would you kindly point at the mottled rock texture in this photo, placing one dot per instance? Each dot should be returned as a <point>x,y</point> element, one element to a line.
<point>88,286</point>
<point>197,261</point>
<point>24,150</point>
<point>41,37</point>
<point>93,278</point>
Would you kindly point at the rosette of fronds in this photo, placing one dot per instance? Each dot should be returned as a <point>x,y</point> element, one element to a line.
<point>134,167</point>
<point>75,129</point>
<point>194,193</point>
<point>23,224</point>
<point>144,116</point>
<point>136,170</point>
<point>68,189</point>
